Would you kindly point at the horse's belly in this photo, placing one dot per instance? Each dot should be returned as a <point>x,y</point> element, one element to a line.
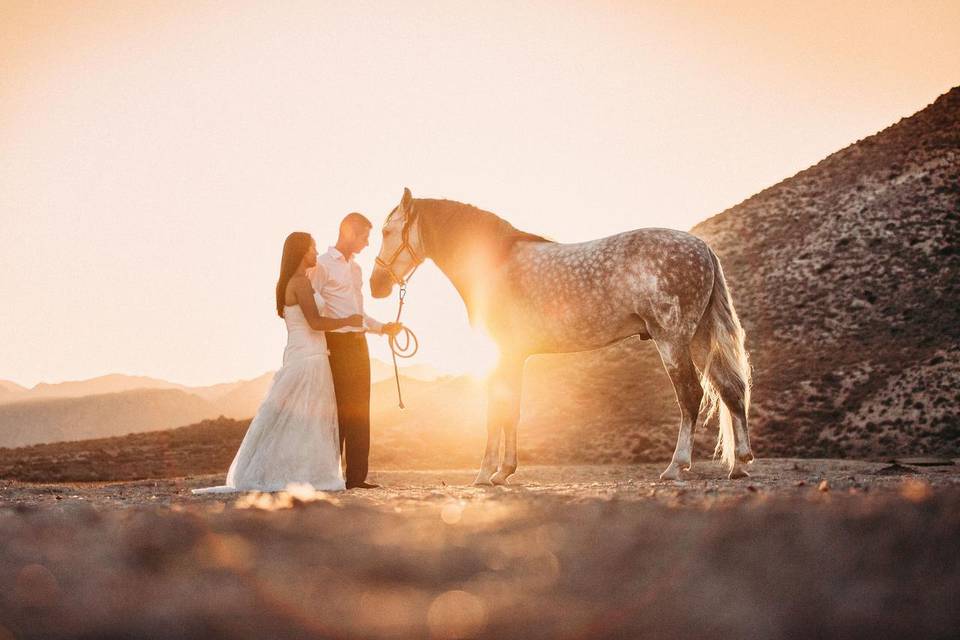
<point>597,339</point>
<point>560,335</point>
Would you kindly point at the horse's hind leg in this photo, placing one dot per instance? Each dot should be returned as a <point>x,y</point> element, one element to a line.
<point>733,397</point>
<point>686,384</point>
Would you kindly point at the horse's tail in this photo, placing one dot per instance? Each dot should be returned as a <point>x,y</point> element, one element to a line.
<point>726,370</point>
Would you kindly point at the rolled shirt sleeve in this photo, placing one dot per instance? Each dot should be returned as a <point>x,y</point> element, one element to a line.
<point>372,325</point>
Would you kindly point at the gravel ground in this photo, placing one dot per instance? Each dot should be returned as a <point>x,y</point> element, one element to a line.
<point>804,548</point>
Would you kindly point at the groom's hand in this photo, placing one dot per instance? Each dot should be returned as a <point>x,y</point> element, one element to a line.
<point>392,328</point>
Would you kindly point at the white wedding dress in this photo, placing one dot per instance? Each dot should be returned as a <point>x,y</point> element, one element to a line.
<point>294,436</point>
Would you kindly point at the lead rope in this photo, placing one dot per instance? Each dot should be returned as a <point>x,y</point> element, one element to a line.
<point>406,350</point>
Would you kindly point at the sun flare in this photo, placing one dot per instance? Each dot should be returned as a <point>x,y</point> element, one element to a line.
<point>479,355</point>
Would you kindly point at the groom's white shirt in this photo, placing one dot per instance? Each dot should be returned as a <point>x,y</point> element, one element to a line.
<point>340,283</point>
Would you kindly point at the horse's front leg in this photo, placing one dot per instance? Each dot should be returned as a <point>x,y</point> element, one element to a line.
<point>506,387</point>
<point>503,412</point>
<point>491,455</point>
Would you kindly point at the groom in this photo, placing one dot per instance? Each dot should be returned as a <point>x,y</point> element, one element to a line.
<point>338,280</point>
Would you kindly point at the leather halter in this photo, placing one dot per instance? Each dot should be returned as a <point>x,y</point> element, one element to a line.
<point>387,265</point>
<point>410,347</point>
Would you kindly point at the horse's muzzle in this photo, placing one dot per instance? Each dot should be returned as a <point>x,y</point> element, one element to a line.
<point>381,284</point>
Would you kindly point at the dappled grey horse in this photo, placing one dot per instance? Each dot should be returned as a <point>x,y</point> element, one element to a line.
<point>537,296</point>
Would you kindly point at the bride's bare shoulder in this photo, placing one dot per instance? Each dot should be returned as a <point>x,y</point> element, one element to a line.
<point>297,285</point>
<point>299,280</point>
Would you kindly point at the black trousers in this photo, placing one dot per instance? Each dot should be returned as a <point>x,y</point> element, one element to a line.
<point>350,364</point>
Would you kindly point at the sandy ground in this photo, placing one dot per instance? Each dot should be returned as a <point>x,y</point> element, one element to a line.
<point>804,548</point>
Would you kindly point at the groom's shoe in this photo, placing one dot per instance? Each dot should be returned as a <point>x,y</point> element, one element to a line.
<point>362,485</point>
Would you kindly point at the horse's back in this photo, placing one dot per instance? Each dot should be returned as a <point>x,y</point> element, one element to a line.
<point>590,293</point>
<point>648,244</point>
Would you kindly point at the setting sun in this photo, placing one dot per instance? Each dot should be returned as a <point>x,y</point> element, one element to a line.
<point>478,356</point>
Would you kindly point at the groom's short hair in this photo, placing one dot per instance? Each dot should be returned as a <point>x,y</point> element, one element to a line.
<point>355,222</point>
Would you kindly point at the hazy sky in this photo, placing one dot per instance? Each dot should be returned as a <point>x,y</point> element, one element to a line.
<point>154,155</point>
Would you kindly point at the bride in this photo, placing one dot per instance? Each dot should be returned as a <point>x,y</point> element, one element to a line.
<point>293,437</point>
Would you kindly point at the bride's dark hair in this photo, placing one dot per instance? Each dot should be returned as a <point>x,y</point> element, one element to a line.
<point>294,248</point>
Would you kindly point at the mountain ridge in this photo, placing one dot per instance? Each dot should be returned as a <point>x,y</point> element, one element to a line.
<point>116,382</point>
<point>33,421</point>
<point>63,419</point>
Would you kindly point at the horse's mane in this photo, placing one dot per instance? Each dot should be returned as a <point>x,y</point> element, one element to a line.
<point>462,223</point>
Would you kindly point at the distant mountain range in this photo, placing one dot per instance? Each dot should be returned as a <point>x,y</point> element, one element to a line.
<point>118,404</point>
<point>10,390</point>
<point>10,387</point>
<point>112,383</point>
<point>58,419</point>
<point>443,426</point>
<point>118,382</point>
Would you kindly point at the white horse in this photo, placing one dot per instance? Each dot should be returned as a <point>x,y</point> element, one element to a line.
<point>537,296</point>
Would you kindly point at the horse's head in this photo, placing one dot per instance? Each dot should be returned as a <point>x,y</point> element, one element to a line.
<point>402,249</point>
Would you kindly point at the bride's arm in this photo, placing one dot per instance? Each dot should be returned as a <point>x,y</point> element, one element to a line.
<point>304,294</point>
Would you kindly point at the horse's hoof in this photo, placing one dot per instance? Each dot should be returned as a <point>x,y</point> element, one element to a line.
<point>483,481</point>
<point>673,472</point>
<point>499,478</point>
<point>738,472</point>
<point>746,458</point>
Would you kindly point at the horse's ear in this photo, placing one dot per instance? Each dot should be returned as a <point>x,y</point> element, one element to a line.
<point>406,200</point>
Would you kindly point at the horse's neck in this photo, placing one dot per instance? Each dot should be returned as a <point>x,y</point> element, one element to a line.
<point>460,257</point>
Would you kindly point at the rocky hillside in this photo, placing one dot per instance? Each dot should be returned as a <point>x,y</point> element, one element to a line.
<point>847,277</point>
<point>205,447</point>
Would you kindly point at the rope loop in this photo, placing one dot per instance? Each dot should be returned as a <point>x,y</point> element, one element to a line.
<point>405,347</point>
